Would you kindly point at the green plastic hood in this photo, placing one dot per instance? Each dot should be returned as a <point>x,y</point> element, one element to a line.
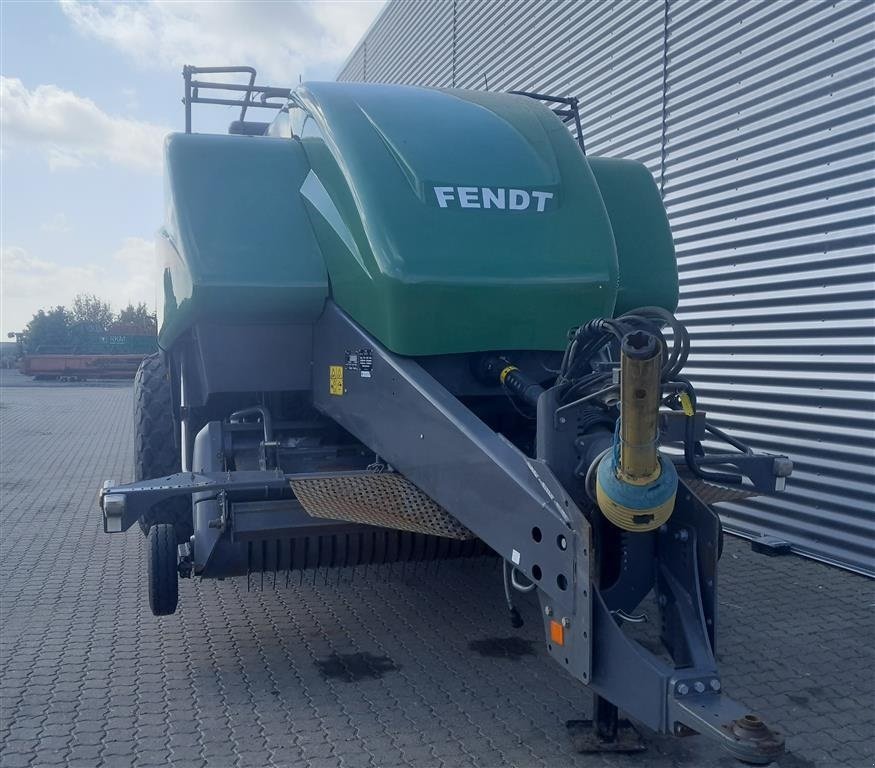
<point>454,221</point>
<point>409,136</point>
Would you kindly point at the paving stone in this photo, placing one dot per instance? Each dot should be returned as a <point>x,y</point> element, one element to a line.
<point>152,756</point>
<point>84,752</point>
<point>17,760</point>
<point>89,677</point>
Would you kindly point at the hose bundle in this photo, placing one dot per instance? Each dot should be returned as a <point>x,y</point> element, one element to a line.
<point>589,344</point>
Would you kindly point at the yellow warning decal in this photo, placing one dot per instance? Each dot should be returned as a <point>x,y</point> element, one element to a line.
<point>335,379</point>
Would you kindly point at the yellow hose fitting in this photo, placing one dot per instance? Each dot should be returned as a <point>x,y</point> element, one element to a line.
<point>505,371</point>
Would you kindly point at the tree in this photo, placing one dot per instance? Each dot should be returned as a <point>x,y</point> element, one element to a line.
<point>138,317</point>
<point>83,330</point>
<point>47,331</point>
<point>92,312</point>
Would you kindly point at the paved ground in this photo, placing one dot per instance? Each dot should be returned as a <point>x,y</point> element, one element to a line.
<point>399,669</point>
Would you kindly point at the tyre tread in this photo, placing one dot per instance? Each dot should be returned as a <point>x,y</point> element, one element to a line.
<point>155,443</point>
<point>163,575</point>
<point>155,453</point>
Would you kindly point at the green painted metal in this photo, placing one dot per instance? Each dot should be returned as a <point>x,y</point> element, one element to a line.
<point>431,280</point>
<point>237,243</point>
<point>645,248</point>
<point>446,221</point>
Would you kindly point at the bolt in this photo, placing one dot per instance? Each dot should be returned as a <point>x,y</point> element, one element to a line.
<point>663,600</point>
<point>561,419</point>
<point>566,622</point>
<point>682,534</point>
<point>548,611</point>
<point>421,436</point>
<point>683,689</point>
<point>715,685</point>
<point>699,686</point>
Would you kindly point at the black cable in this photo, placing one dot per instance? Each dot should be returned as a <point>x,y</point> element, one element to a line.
<point>690,460</point>
<point>577,374</point>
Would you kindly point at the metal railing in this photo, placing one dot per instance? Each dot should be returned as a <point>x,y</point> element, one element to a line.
<point>570,112</point>
<point>193,87</point>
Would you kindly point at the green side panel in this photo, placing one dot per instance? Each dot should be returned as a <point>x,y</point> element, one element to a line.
<point>237,243</point>
<point>645,249</point>
<point>426,279</point>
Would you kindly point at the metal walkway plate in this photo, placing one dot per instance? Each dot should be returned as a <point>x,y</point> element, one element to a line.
<point>388,500</point>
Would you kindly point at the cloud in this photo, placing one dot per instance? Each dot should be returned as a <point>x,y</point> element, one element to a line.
<point>30,283</point>
<point>137,281</point>
<point>58,224</point>
<point>281,39</point>
<point>132,101</point>
<point>72,131</point>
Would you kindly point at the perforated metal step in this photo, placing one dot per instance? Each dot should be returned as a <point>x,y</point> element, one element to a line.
<point>387,500</point>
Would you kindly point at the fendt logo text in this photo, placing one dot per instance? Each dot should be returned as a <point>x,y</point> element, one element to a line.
<point>496,198</point>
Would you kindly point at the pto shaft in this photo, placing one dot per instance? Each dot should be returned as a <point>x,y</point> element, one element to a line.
<point>635,486</point>
<point>640,363</point>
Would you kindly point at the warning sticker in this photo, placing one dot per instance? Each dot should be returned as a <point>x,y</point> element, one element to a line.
<point>360,361</point>
<point>366,362</point>
<point>335,379</point>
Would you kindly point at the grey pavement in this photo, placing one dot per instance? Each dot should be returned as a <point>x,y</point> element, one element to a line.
<point>384,668</point>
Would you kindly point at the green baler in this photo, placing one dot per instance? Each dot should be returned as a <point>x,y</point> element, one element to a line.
<point>407,324</point>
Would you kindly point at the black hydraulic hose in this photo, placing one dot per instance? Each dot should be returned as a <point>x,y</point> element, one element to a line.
<point>516,383</point>
<point>683,384</point>
<point>680,351</point>
<point>690,459</point>
<point>519,384</point>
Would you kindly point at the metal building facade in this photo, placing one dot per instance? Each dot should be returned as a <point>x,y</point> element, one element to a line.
<point>757,120</point>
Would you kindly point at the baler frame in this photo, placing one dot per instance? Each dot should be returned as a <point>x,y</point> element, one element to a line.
<point>522,491</point>
<point>526,515</point>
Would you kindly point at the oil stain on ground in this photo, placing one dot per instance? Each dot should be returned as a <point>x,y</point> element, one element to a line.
<point>352,667</point>
<point>503,647</point>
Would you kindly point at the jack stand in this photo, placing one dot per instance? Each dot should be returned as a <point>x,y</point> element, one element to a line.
<point>605,732</point>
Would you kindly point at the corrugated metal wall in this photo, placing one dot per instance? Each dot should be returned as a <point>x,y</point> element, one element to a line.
<point>757,119</point>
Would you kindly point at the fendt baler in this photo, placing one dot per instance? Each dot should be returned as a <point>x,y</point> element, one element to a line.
<point>406,324</point>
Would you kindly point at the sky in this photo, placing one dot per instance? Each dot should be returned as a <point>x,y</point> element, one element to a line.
<point>88,91</point>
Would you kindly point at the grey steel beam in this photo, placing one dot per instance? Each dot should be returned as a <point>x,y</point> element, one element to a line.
<point>123,505</point>
<point>512,502</point>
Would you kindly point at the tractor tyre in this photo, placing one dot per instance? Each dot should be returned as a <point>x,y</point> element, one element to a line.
<point>163,574</point>
<point>156,452</point>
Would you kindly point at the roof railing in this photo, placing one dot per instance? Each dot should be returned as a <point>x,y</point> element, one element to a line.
<point>256,96</point>
<point>570,112</point>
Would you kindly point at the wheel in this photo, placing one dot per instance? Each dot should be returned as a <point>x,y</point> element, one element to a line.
<point>155,443</point>
<point>163,576</point>
<point>155,452</point>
